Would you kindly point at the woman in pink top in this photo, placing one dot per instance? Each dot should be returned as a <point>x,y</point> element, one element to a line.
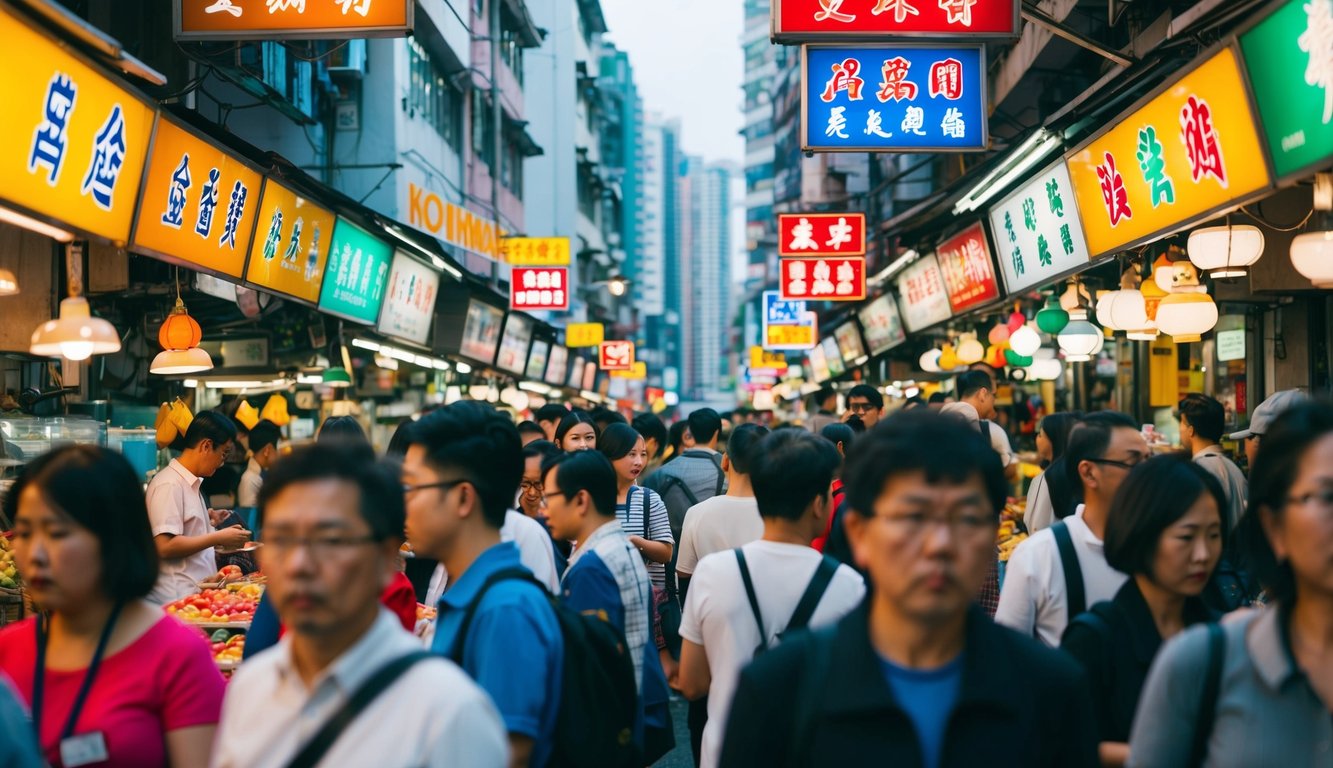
<point>110,679</point>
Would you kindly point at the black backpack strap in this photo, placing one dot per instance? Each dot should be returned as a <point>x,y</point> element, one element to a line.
<point>1212,687</point>
<point>675,482</point>
<point>517,574</point>
<point>1075,596</point>
<point>315,749</point>
<point>754,601</point>
<point>814,592</point>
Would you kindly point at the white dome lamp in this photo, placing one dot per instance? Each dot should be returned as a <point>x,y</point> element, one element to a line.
<point>1078,340</point>
<point>1185,317</point>
<point>75,334</point>
<point>1312,252</point>
<point>970,350</point>
<point>1025,341</point>
<point>1124,309</point>
<point>930,361</point>
<point>1225,252</point>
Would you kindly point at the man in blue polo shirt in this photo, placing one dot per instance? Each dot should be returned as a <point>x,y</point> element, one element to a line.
<point>460,474</point>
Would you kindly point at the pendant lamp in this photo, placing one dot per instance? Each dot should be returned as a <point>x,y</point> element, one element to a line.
<point>970,351</point>
<point>1078,340</point>
<point>1124,309</point>
<point>1076,300</point>
<point>1312,252</point>
<point>179,336</point>
<point>75,334</point>
<point>337,375</point>
<point>1025,341</point>
<point>1185,317</point>
<point>1225,252</point>
<point>930,361</point>
<point>9,284</point>
<point>1053,318</point>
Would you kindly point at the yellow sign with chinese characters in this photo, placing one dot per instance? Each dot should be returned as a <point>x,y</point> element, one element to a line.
<point>74,140</point>
<point>536,251</point>
<point>763,359</point>
<point>638,372</point>
<point>199,203</point>
<point>790,336</point>
<point>584,335</point>
<point>291,245</point>
<point>1187,152</point>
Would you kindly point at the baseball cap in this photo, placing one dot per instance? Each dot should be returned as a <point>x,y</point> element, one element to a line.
<point>1268,411</point>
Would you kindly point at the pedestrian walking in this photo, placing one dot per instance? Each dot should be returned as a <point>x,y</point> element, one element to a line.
<point>576,432</point>
<point>824,405</point>
<point>642,514</point>
<point>866,403</point>
<point>696,475</point>
<point>1202,419</point>
<point>727,521</point>
<point>1050,495</point>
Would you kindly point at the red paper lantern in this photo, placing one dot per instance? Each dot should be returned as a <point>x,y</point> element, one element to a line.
<point>179,330</point>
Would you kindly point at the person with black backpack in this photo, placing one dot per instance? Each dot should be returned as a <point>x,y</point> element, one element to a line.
<point>741,601</point>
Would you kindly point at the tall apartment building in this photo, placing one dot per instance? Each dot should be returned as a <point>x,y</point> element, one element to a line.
<point>761,66</point>
<point>705,277</point>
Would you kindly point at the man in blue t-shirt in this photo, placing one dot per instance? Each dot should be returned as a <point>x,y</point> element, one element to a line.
<point>460,475</point>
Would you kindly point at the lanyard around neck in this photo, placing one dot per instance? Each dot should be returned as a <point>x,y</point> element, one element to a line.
<point>39,679</point>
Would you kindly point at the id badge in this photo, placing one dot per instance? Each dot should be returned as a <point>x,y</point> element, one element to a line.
<point>84,749</point>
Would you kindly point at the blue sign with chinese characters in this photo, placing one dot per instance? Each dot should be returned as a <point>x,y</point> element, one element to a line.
<point>893,98</point>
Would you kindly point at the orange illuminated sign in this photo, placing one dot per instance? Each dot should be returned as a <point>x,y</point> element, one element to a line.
<point>286,19</point>
<point>451,223</point>
<point>291,244</point>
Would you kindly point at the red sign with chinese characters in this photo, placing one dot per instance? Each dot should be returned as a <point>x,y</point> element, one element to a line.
<point>969,274</point>
<point>820,20</point>
<point>539,288</point>
<point>617,356</point>
<point>823,279</point>
<point>821,234</point>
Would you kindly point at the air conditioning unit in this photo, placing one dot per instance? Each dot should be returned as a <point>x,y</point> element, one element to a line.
<point>348,62</point>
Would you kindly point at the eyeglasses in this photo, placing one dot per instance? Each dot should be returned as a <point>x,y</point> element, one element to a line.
<point>546,496</point>
<point>1122,464</point>
<point>320,547</point>
<point>445,484</point>
<point>860,407</point>
<point>965,525</point>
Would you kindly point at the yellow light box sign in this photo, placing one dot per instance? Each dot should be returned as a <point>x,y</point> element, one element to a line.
<point>1187,152</point>
<point>584,335</point>
<point>638,372</point>
<point>536,251</point>
<point>199,203</point>
<point>74,139</point>
<point>291,246</point>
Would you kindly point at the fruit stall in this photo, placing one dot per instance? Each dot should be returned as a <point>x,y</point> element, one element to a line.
<point>13,602</point>
<point>222,611</point>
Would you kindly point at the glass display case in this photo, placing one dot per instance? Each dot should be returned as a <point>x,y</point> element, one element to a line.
<point>24,438</point>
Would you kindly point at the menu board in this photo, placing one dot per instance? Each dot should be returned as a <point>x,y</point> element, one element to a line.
<point>925,301</point>
<point>576,372</point>
<point>513,356</point>
<point>481,331</point>
<point>292,247</point>
<point>836,365</point>
<point>965,261</point>
<point>590,375</point>
<point>357,272</point>
<point>849,342</point>
<point>409,304</point>
<point>882,325</point>
<point>537,359</point>
<point>818,364</point>
<point>558,366</point>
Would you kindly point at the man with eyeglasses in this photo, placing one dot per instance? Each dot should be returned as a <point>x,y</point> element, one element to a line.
<point>916,666</point>
<point>1062,571</point>
<point>866,402</point>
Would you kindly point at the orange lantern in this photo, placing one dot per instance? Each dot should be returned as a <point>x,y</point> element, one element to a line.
<point>179,330</point>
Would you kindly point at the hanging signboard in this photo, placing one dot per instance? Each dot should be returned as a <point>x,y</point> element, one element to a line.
<point>850,345</point>
<point>636,372</point>
<point>451,223</point>
<point>356,275</point>
<point>557,367</point>
<point>536,251</point>
<point>787,324</point>
<point>537,288</point>
<point>409,302</point>
<point>796,21</point>
<point>513,354</point>
<point>882,325</point>
<point>537,357</point>
<point>766,360</point>
<point>291,19</point>
<point>74,140</point>
<point>833,356</point>
<point>969,273</point>
<point>1184,154</point>
<point>893,98</point>
<point>616,355</point>
<point>821,234</point>
<point>819,371</point>
<point>822,279</point>
<point>292,249</point>
<point>1037,231</point>
<point>1291,76</point>
<point>584,334</point>
<point>925,300</point>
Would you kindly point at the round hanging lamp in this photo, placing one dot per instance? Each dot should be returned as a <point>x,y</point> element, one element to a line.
<point>1078,340</point>
<point>999,334</point>
<point>970,351</point>
<point>1025,341</point>
<point>1312,256</point>
<point>948,358</point>
<point>930,361</point>
<point>76,334</point>
<point>177,361</point>
<point>1076,300</point>
<point>1016,360</point>
<point>1053,318</point>
<point>179,330</point>
<point>1185,317</point>
<point>1225,252</point>
<point>9,283</point>
<point>337,378</point>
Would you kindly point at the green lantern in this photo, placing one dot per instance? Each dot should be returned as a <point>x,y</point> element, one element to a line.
<point>1016,360</point>
<point>1053,318</point>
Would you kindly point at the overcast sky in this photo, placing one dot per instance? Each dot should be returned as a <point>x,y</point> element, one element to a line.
<point>688,64</point>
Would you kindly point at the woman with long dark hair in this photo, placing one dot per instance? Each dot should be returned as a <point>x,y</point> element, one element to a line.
<point>576,432</point>
<point>1050,496</point>
<point>642,512</point>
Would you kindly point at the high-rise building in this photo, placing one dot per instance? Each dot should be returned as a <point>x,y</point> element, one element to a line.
<point>705,277</point>
<point>761,67</point>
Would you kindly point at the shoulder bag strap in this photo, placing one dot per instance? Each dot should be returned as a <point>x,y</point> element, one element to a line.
<point>518,574</point>
<point>362,697</point>
<point>643,507</point>
<point>749,593</point>
<point>1212,687</point>
<point>814,592</point>
<point>675,482</point>
<point>1076,597</point>
<point>721,476</point>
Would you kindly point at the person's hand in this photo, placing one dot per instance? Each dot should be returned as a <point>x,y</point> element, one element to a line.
<point>233,537</point>
<point>671,668</point>
<point>218,516</point>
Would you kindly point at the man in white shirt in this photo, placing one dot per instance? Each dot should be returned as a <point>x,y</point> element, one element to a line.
<point>1036,597</point>
<point>182,523</point>
<point>792,472</point>
<point>263,452</point>
<point>976,403</point>
<point>1202,420</point>
<point>333,522</point>
<point>727,521</point>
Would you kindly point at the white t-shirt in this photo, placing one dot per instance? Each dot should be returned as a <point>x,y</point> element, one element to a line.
<point>175,506</point>
<point>1039,513</point>
<point>1033,600</point>
<point>718,615</point>
<point>715,525</point>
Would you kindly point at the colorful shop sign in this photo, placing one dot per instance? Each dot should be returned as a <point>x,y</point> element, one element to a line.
<point>1289,58</point>
<point>536,251</point>
<point>616,355</point>
<point>969,274</point>
<point>893,98</point>
<point>821,234</point>
<point>357,272</point>
<point>292,247</point>
<point>823,279</point>
<point>451,223</point>
<point>1184,154</point>
<point>809,20</point>
<point>882,325</point>
<point>584,334</point>
<point>787,324</point>
<point>291,19</point>
<point>409,301</point>
<point>1037,231</point>
<point>539,288</point>
<point>923,297</point>
<point>636,372</point>
<point>75,140</point>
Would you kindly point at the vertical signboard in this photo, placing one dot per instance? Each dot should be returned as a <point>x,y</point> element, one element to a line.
<point>924,299</point>
<point>969,274</point>
<point>292,247</point>
<point>1037,231</point>
<point>821,234</point>
<point>356,275</point>
<point>557,367</point>
<point>822,279</point>
<point>409,301</point>
<point>808,20</point>
<point>513,354</point>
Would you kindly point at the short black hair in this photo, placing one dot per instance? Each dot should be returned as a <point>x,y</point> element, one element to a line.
<point>839,433</point>
<point>585,471</point>
<point>480,442</point>
<point>382,503</point>
<point>972,382</point>
<point>1058,427</point>
<point>551,412</point>
<point>543,448</point>
<point>937,397</point>
<point>790,469</point>
<point>704,425</point>
<point>874,396</point>
<point>617,440</point>
<point>652,428</point>
<point>572,419</point>
<point>1274,473</point>
<point>822,396</point>
<point>342,429</point>
<point>1089,441</point>
<point>1155,494</point>
<point>530,428</point>
<point>1205,414</point>
<point>677,438</point>
<point>402,438</point>
<point>742,444</point>
<point>915,401</point>
<point>944,448</point>
<point>99,490</point>
<point>605,417</point>
<point>210,425</point>
<point>264,434</point>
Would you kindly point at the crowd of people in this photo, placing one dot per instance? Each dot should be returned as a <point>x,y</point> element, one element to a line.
<point>825,593</point>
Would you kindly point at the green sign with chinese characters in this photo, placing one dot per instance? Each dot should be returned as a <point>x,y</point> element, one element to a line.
<point>356,273</point>
<point>1287,56</point>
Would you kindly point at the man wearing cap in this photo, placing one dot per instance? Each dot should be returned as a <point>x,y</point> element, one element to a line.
<point>1264,416</point>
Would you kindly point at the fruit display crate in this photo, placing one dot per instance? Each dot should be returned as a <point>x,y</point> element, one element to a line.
<point>14,605</point>
<point>213,626</point>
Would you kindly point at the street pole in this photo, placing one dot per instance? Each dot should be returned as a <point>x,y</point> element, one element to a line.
<point>496,115</point>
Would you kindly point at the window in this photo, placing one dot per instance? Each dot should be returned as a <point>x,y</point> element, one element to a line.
<point>432,97</point>
<point>512,54</point>
<point>483,136</point>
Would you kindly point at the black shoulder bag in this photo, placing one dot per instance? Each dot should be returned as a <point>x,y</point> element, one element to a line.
<point>1076,599</point>
<point>805,609</point>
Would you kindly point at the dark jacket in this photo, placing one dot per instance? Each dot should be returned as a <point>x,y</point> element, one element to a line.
<point>821,699</point>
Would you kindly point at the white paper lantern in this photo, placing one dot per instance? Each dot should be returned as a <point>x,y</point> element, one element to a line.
<point>1025,341</point>
<point>1078,340</point>
<point>1185,317</point>
<point>970,351</point>
<point>1312,256</point>
<point>1048,369</point>
<point>1147,333</point>
<point>1226,251</point>
<point>930,361</point>
<point>1122,310</point>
